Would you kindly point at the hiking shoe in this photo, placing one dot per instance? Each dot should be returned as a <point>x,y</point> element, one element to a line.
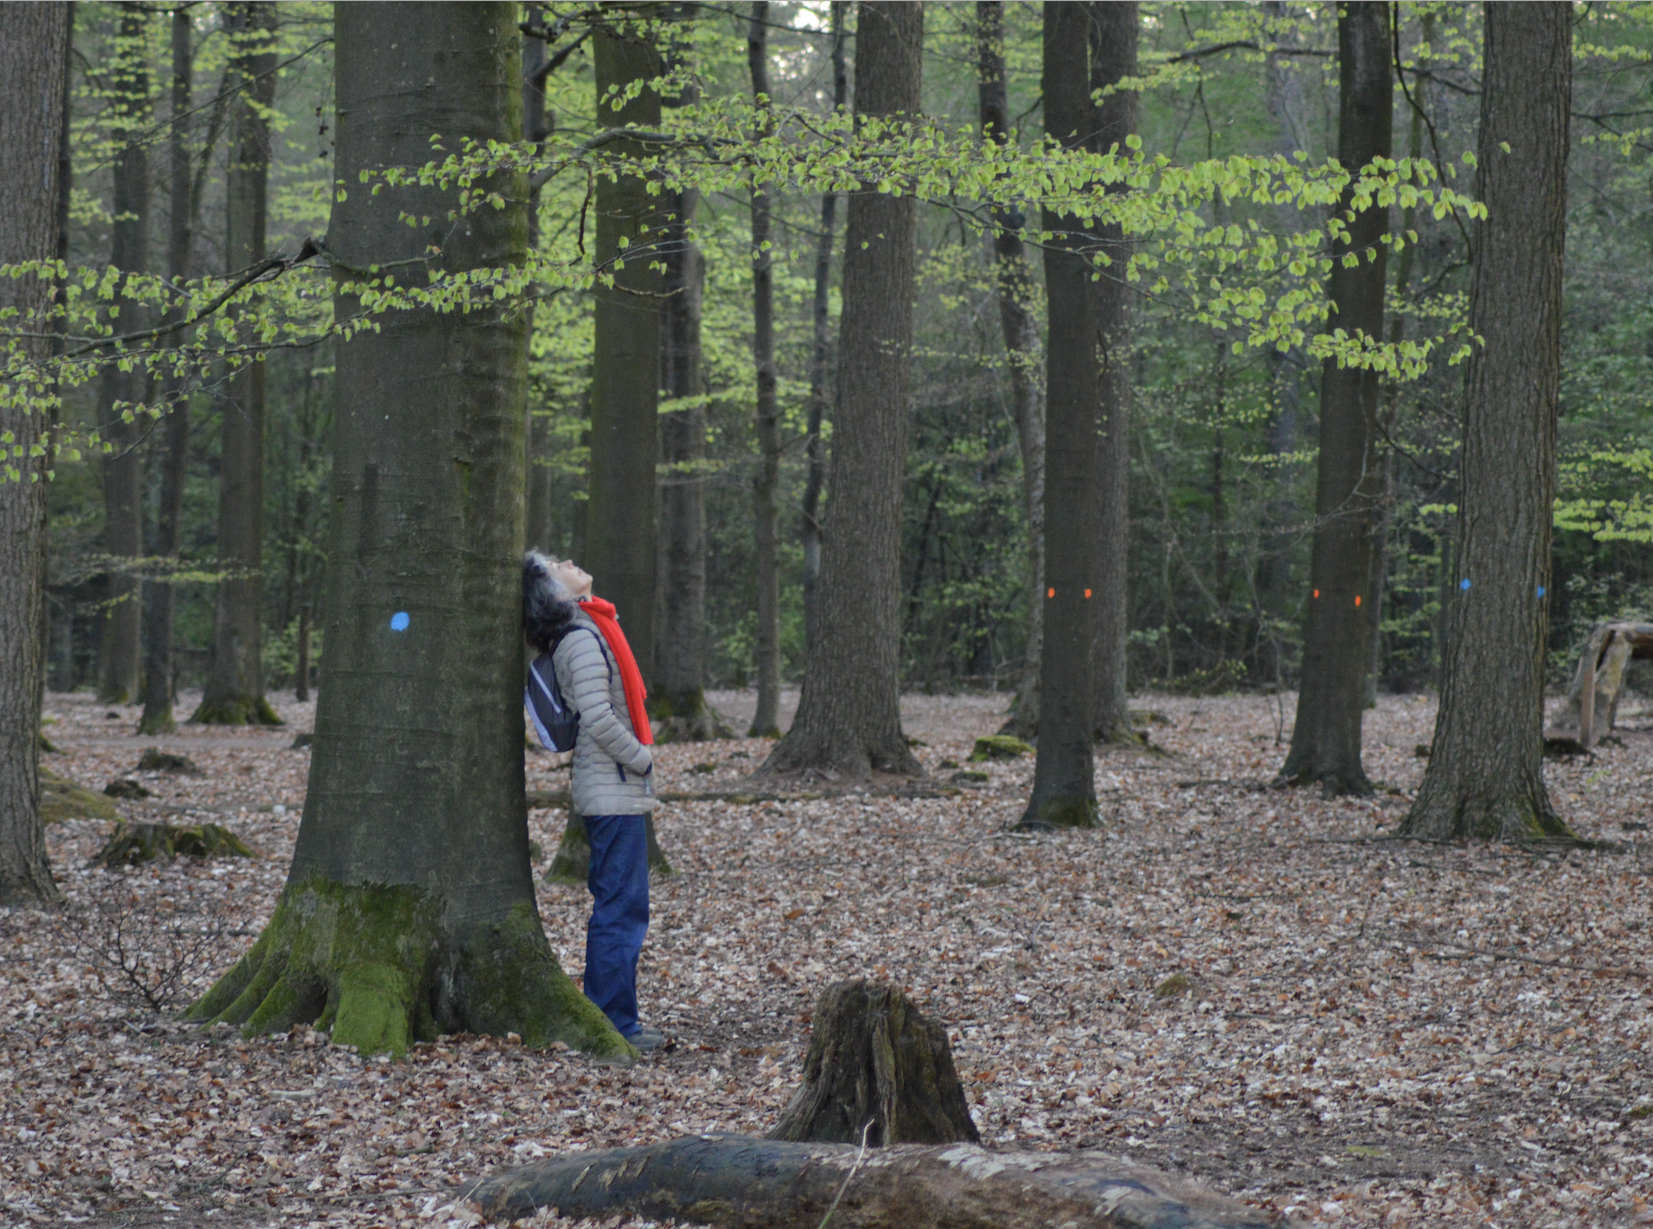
<point>647,1038</point>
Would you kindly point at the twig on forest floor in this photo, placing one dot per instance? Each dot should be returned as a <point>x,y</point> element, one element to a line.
<point>848,1178</point>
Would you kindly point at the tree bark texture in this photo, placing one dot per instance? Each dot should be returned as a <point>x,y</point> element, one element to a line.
<point>625,382</point>
<point>1485,776</point>
<point>409,907</point>
<point>1064,789</point>
<point>849,714</point>
<point>820,364</point>
<point>157,690</point>
<point>678,701</point>
<point>119,645</point>
<point>878,1070</point>
<point>234,692</point>
<point>1016,294</point>
<point>743,1183</point>
<point>765,517</point>
<point>1283,90</point>
<point>1331,700</point>
<point>1113,58</point>
<point>535,128</point>
<point>33,44</point>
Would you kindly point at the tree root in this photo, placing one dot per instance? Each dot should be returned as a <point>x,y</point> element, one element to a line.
<point>377,965</point>
<point>236,710</point>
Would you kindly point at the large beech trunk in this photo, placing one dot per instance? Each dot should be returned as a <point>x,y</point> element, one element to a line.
<point>119,647</point>
<point>1485,777</point>
<point>625,363</point>
<point>1325,741</point>
<point>34,42</point>
<point>234,692</point>
<point>409,909</point>
<point>849,714</point>
<point>744,1183</point>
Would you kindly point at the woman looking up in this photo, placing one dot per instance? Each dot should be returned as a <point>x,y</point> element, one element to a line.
<point>613,774</point>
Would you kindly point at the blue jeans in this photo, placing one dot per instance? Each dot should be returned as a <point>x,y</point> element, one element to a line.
<point>619,883</point>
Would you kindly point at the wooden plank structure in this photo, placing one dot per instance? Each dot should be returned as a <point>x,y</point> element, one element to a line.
<point>1599,680</point>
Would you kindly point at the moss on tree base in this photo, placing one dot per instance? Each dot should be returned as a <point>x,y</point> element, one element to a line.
<point>1054,813</point>
<point>377,965</point>
<point>236,710</point>
<point>573,857</point>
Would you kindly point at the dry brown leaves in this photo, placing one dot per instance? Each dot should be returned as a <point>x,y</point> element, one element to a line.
<point>1348,1040</point>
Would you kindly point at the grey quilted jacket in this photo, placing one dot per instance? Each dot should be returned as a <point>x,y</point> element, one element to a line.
<point>613,772</point>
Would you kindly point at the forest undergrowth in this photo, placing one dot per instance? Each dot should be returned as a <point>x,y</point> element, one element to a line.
<point>1244,984</point>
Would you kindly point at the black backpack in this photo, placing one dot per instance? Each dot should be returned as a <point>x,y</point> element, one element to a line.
<point>555,721</point>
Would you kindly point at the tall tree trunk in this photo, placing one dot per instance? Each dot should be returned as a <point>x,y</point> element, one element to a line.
<point>820,362</point>
<point>766,717</point>
<point>1284,94</point>
<point>409,908</point>
<point>1325,741</point>
<point>625,383</point>
<point>234,692</point>
<point>119,646</point>
<point>535,128</point>
<point>849,715</point>
<point>157,702</point>
<point>1014,284</point>
<point>1064,789</point>
<point>1485,776</point>
<point>34,40</point>
<point>1113,58</point>
<point>679,697</point>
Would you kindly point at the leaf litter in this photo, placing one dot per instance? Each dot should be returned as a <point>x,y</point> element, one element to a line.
<point>1241,984</point>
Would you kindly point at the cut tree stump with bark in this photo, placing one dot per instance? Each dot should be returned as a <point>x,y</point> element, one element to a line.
<point>879,1071</point>
<point>737,1181</point>
<point>1599,680</point>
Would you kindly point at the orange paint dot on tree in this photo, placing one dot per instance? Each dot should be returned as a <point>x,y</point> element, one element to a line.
<point>1050,593</point>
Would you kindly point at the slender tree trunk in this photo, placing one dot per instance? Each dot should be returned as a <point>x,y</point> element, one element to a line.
<point>1284,94</point>
<point>1325,741</point>
<point>809,532</point>
<point>535,128</point>
<point>849,715</point>
<point>1014,283</point>
<point>1485,776</point>
<point>625,384</point>
<point>679,698</point>
<point>157,710</point>
<point>33,44</point>
<point>119,646</point>
<point>234,693</point>
<point>766,718</point>
<point>409,908</point>
<point>1113,58</point>
<point>1064,789</point>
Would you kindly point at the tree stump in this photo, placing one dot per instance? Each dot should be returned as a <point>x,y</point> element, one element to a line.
<point>572,860</point>
<point>1599,679</point>
<point>876,1064</point>
<point>130,844</point>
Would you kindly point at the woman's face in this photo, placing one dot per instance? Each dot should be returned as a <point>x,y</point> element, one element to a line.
<point>572,577</point>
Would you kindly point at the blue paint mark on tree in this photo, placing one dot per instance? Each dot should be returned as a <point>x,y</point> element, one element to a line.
<point>399,621</point>
<point>1540,590</point>
<point>1464,583</point>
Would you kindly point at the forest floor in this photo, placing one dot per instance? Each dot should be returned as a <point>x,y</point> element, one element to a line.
<point>1242,984</point>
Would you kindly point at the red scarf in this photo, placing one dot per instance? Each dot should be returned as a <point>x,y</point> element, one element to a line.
<point>602,614</point>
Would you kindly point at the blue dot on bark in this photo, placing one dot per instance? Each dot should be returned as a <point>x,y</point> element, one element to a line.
<point>1540,590</point>
<point>1464,583</point>
<point>399,621</point>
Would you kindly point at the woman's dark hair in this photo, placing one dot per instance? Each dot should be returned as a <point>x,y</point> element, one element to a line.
<point>547,607</point>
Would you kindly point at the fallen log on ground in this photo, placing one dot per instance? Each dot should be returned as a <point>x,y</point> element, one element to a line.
<point>744,1183</point>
